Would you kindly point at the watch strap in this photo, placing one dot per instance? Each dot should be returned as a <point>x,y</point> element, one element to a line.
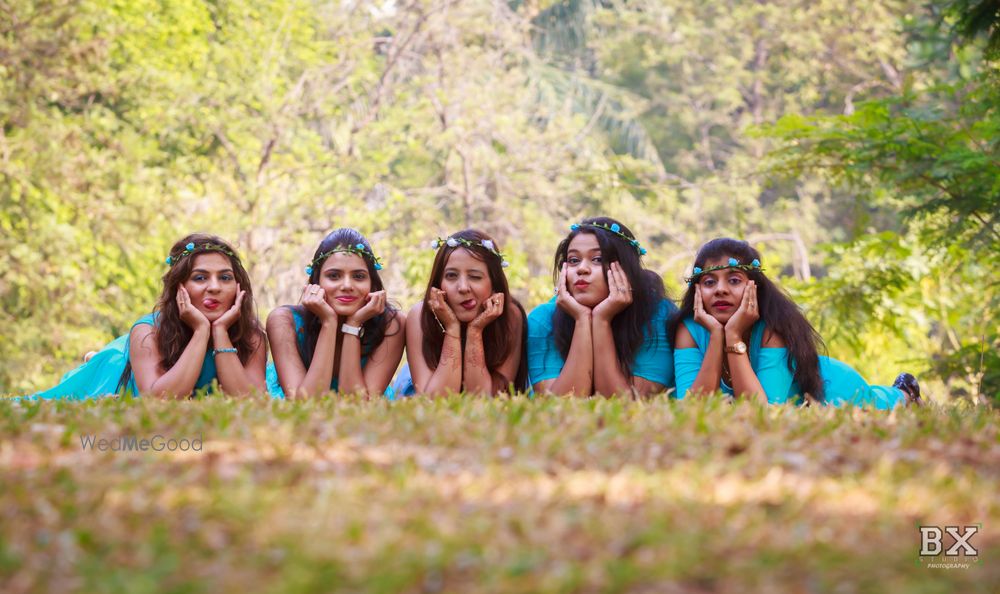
<point>353,330</point>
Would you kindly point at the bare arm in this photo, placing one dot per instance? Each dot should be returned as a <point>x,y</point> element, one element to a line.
<point>447,376</point>
<point>577,374</point>
<point>476,377</point>
<point>382,363</point>
<point>644,387</point>
<point>710,374</point>
<point>745,380</point>
<point>235,378</point>
<point>179,380</point>
<point>295,379</point>
<point>608,375</point>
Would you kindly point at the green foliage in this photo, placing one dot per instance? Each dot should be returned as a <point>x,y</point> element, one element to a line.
<point>977,17</point>
<point>127,124</point>
<point>935,157</point>
<point>937,149</point>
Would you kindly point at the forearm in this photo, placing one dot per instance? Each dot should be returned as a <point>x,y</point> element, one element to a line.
<point>476,377</point>
<point>179,381</point>
<point>577,375</point>
<point>320,373</point>
<point>351,377</point>
<point>447,376</point>
<point>608,375</point>
<point>745,380</point>
<point>710,374</point>
<point>233,377</point>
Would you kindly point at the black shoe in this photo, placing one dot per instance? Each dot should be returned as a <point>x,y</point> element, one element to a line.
<point>908,384</point>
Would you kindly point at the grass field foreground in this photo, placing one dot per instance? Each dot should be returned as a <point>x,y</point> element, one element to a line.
<point>507,495</point>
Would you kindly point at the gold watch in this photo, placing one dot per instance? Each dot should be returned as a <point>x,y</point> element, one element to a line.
<point>740,348</point>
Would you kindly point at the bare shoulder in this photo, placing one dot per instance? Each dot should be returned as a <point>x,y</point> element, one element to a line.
<point>280,324</point>
<point>413,316</point>
<point>683,338</point>
<point>517,313</point>
<point>397,323</point>
<point>515,322</point>
<point>772,340</point>
<point>141,333</point>
<point>282,314</point>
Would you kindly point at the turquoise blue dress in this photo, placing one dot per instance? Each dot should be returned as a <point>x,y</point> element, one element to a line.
<point>654,360</point>
<point>100,376</point>
<point>274,386</point>
<point>842,384</point>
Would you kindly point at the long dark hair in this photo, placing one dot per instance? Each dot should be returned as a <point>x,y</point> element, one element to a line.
<point>172,334</point>
<point>498,343</point>
<point>630,325</point>
<point>777,310</point>
<point>376,327</point>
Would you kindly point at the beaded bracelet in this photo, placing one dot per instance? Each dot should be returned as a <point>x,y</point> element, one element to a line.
<point>217,351</point>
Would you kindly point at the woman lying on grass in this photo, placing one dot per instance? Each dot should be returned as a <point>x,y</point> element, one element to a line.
<point>738,333</point>
<point>343,336</point>
<point>468,332</point>
<point>605,330</point>
<point>203,329</point>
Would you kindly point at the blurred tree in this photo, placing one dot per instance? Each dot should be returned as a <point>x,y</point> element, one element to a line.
<point>934,155</point>
<point>128,123</point>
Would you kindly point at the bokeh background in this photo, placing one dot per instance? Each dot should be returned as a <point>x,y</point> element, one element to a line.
<point>854,143</point>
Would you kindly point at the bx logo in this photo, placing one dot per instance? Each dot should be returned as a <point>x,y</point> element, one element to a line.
<point>931,540</point>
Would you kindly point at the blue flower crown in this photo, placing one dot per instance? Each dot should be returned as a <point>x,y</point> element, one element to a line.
<point>614,228</point>
<point>191,248</point>
<point>486,244</point>
<point>697,272</point>
<point>357,249</point>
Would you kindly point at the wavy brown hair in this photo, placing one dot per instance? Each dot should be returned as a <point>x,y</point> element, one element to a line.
<point>172,334</point>
<point>497,341</point>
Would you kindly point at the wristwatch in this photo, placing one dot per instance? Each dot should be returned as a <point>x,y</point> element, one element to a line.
<point>358,331</point>
<point>740,348</point>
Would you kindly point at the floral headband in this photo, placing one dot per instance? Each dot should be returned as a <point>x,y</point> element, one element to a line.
<point>190,248</point>
<point>614,228</point>
<point>697,272</point>
<point>357,249</point>
<point>487,244</point>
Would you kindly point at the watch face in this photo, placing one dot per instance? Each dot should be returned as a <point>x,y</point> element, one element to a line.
<point>741,347</point>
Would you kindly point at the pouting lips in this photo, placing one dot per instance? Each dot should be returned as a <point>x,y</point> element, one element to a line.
<point>580,284</point>
<point>210,304</point>
<point>722,305</point>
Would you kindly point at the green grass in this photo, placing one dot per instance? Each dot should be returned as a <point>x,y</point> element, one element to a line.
<point>509,495</point>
